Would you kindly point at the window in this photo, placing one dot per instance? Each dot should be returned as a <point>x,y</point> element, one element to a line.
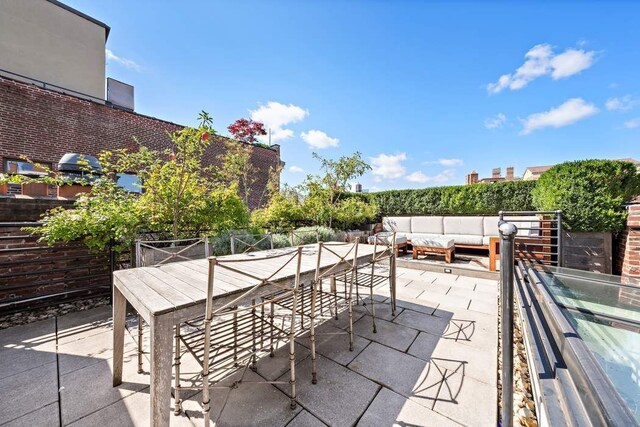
<point>22,167</point>
<point>129,182</point>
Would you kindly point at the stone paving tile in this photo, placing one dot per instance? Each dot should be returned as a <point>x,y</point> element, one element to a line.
<point>383,310</point>
<point>481,306</point>
<point>421,305</point>
<point>305,419</point>
<point>340,397</point>
<point>433,324</point>
<point>27,346</point>
<point>424,345</point>
<point>74,355</point>
<point>452,353</point>
<point>388,333</point>
<point>404,281</point>
<point>407,292</point>
<point>75,326</point>
<point>45,416</point>
<point>131,411</point>
<point>92,386</point>
<point>468,401</point>
<point>333,343</point>
<point>408,273</point>
<point>252,403</point>
<point>271,368</point>
<point>28,391</point>
<point>447,300</point>
<point>393,409</point>
<point>443,278</point>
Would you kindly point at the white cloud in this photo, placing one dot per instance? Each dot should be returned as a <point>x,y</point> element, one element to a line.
<point>318,139</point>
<point>440,178</point>
<point>445,162</point>
<point>624,103</point>
<point>495,122</point>
<point>275,116</point>
<point>388,166</point>
<point>127,63</point>
<point>571,111</point>
<point>540,60</point>
<point>296,169</point>
<point>633,123</point>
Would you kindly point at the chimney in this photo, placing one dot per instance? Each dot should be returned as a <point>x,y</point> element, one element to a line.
<point>510,173</point>
<point>358,188</point>
<point>495,173</point>
<point>472,178</point>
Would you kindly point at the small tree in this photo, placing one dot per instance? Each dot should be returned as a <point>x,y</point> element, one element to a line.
<point>246,130</point>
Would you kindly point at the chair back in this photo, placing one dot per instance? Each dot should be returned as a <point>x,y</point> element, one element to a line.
<point>269,273</point>
<point>336,258</point>
<point>388,241</point>
<point>159,252</point>
<point>242,243</point>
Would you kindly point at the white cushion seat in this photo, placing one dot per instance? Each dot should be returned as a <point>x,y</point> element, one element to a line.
<point>466,239</point>
<point>433,242</point>
<point>385,238</point>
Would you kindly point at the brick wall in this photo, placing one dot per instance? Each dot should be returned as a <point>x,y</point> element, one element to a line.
<point>26,208</point>
<point>44,125</point>
<point>629,244</point>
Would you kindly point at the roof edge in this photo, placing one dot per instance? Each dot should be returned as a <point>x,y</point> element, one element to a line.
<point>107,29</point>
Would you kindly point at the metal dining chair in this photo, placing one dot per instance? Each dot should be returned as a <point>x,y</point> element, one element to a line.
<point>159,252</point>
<point>231,336</point>
<point>375,273</point>
<point>316,302</point>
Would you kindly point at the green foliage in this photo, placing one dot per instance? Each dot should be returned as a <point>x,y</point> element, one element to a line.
<point>590,193</point>
<point>352,212</point>
<point>281,241</point>
<point>455,200</point>
<point>179,196</point>
<point>283,211</point>
<point>308,235</point>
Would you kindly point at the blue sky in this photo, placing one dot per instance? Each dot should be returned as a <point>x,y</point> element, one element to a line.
<point>427,91</point>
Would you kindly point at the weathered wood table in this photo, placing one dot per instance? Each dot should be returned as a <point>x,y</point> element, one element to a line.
<point>170,294</point>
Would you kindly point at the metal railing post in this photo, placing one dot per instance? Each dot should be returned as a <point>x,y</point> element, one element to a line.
<point>559,227</point>
<point>507,234</point>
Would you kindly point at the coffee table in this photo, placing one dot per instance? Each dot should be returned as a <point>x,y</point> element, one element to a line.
<point>434,245</point>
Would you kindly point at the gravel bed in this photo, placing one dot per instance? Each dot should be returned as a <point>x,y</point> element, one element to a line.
<point>29,316</point>
<point>524,408</point>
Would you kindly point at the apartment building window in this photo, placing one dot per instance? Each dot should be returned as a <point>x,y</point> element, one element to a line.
<point>22,167</point>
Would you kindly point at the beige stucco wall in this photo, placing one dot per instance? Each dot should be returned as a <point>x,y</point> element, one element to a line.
<point>43,41</point>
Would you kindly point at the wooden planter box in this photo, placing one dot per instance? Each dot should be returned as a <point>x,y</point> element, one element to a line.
<point>588,251</point>
<point>71,191</point>
<point>35,189</point>
<point>3,189</point>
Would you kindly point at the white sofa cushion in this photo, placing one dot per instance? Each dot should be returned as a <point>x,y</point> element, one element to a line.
<point>433,242</point>
<point>464,225</point>
<point>465,239</point>
<point>427,225</point>
<point>397,223</point>
<point>522,222</point>
<point>412,236</point>
<point>385,238</point>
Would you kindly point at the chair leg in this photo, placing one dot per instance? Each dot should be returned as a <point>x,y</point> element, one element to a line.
<point>312,335</point>
<point>350,324</point>
<point>373,310</point>
<point>140,370</point>
<point>178,402</point>
<point>254,366</point>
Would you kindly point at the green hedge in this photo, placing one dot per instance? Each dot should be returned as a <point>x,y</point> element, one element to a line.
<point>456,200</point>
<point>590,193</point>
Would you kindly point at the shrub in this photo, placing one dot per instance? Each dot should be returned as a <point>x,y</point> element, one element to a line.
<point>281,241</point>
<point>590,193</point>
<point>475,199</point>
<point>308,235</point>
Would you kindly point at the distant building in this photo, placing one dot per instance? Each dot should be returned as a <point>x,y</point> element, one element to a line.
<point>533,172</point>
<point>496,176</point>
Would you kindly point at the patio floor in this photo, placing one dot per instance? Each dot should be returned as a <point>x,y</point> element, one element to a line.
<point>433,363</point>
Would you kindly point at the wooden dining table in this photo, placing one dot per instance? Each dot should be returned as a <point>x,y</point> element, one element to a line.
<point>169,294</point>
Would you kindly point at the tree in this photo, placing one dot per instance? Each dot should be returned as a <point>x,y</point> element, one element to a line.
<point>246,130</point>
<point>326,191</point>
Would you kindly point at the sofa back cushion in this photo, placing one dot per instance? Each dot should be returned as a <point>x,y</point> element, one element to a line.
<point>397,223</point>
<point>491,225</point>
<point>427,224</point>
<point>468,225</point>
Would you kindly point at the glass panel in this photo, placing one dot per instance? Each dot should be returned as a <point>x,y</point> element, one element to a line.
<point>23,168</point>
<point>609,322</point>
<point>129,182</point>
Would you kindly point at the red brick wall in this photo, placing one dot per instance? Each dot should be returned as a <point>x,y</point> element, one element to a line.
<point>28,209</point>
<point>44,125</point>
<point>629,244</point>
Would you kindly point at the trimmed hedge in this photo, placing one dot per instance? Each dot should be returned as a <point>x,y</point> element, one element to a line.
<point>477,199</point>
<point>590,193</point>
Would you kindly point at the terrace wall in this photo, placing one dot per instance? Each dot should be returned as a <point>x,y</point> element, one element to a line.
<point>44,125</point>
<point>628,258</point>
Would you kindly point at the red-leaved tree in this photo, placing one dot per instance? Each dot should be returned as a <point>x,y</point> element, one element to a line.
<point>246,130</point>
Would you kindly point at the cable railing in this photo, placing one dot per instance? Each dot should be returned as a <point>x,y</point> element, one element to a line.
<point>538,237</point>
